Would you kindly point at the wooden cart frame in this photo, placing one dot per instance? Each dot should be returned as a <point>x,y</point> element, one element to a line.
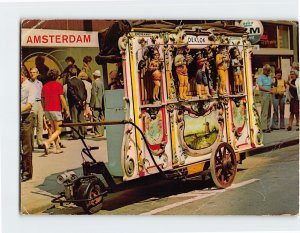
<point>153,129</point>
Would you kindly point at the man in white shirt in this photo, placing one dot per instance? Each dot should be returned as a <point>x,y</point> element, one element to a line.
<point>37,107</point>
<point>28,95</point>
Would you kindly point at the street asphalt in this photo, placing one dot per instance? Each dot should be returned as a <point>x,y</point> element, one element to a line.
<point>36,194</point>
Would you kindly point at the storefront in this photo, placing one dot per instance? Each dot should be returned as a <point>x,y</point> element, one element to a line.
<point>55,45</point>
<point>277,45</point>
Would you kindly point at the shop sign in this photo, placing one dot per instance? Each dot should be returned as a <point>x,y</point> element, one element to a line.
<point>58,38</point>
<point>254,28</point>
<point>197,40</point>
<point>266,41</point>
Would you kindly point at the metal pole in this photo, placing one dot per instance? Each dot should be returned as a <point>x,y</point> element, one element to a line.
<point>94,123</point>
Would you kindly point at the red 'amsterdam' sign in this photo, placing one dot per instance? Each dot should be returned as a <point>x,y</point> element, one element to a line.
<point>58,38</point>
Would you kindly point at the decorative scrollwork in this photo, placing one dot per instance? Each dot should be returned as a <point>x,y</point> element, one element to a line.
<point>170,107</point>
<point>122,43</point>
<point>129,167</point>
<point>146,164</point>
<point>165,160</point>
<point>183,157</point>
<point>165,36</point>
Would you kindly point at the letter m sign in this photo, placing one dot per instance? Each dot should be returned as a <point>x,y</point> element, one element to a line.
<point>254,30</point>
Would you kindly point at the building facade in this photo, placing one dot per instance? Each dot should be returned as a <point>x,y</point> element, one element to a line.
<point>278,46</point>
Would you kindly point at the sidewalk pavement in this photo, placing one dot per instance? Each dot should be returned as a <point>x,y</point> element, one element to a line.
<point>36,194</point>
<point>278,138</point>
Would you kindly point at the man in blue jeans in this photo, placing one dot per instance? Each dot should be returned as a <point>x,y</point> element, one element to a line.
<point>264,82</point>
<point>28,95</point>
<point>278,101</point>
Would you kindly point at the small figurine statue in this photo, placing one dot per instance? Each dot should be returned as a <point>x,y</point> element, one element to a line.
<point>181,63</point>
<point>237,63</point>
<point>222,60</point>
<point>156,78</point>
<point>201,78</point>
<point>144,47</point>
<point>212,69</point>
<point>155,67</point>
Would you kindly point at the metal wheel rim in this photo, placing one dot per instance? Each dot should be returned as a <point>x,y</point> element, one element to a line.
<point>93,193</point>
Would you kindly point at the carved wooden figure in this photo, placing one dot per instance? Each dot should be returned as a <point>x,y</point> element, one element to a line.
<point>212,69</point>
<point>182,73</point>
<point>222,60</point>
<point>237,63</point>
<point>156,78</point>
<point>201,77</point>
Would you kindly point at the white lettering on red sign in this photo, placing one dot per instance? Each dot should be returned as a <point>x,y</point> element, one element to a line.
<point>58,39</point>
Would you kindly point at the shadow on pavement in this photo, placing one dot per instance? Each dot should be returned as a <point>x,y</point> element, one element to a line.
<point>152,190</point>
<point>50,184</point>
<point>141,190</point>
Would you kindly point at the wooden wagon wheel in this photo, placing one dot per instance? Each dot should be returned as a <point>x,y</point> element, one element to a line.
<point>223,165</point>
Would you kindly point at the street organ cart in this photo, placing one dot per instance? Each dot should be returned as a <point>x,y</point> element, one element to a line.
<point>186,108</point>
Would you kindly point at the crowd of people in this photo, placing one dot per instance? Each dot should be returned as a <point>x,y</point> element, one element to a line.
<point>46,103</point>
<point>275,92</point>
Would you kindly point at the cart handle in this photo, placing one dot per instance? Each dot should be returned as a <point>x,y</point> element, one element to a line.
<point>94,123</point>
<point>93,147</point>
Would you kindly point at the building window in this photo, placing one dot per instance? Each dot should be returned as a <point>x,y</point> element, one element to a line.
<point>276,36</point>
<point>283,36</point>
<point>269,38</point>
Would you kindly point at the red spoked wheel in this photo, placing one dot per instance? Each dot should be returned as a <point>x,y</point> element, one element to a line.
<point>223,165</point>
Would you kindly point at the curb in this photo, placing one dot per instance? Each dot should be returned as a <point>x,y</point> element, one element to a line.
<point>274,146</point>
